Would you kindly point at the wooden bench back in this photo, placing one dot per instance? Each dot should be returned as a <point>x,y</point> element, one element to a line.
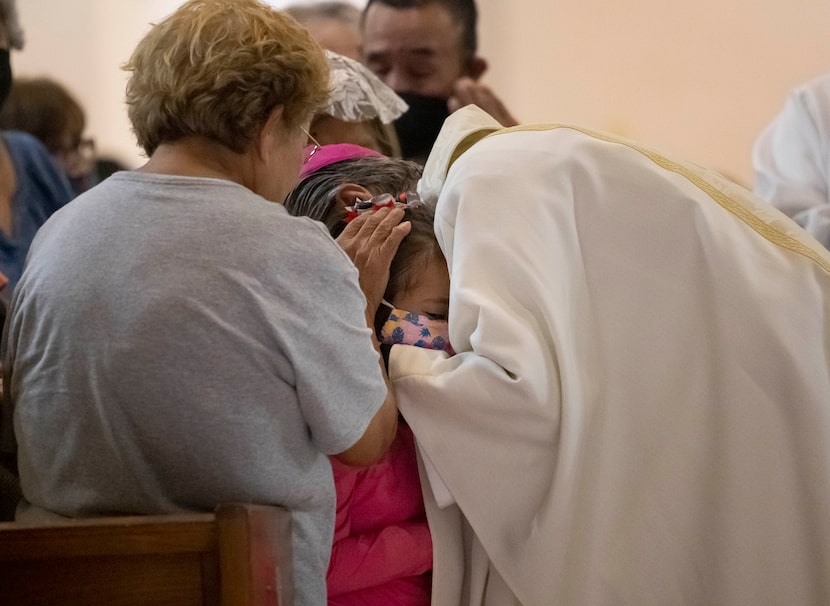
<point>238,556</point>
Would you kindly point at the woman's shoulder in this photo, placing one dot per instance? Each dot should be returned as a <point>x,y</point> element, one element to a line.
<point>309,242</point>
<point>25,148</point>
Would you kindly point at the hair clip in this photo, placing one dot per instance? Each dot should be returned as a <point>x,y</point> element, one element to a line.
<point>409,199</point>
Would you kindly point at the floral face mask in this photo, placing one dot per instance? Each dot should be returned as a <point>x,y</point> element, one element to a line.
<point>407,328</point>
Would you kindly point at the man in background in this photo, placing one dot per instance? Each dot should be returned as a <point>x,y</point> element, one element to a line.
<point>791,160</point>
<point>335,25</point>
<point>425,50</point>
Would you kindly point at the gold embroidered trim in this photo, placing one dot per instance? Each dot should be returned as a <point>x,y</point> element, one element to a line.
<point>467,142</point>
<point>734,207</point>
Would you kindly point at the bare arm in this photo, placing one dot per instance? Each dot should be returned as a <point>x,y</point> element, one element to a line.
<point>371,241</point>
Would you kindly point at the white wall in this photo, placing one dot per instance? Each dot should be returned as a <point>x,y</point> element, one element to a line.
<point>699,80</point>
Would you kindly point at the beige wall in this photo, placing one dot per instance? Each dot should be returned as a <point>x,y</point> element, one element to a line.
<point>698,80</point>
<point>82,43</point>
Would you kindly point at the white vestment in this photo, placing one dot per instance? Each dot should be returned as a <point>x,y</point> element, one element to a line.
<point>639,409</point>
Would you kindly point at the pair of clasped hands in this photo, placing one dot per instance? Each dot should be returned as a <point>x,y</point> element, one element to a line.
<point>371,240</point>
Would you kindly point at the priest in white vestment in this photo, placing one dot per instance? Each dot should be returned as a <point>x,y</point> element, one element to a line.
<point>639,409</point>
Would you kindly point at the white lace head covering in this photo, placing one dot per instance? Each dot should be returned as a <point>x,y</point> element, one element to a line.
<point>358,95</point>
<point>8,10</point>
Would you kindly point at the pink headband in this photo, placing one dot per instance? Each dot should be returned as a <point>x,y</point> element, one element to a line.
<point>329,154</point>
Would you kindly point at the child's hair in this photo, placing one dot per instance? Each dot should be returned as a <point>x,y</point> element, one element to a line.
<point>315,195</point>
<point>415,251</point>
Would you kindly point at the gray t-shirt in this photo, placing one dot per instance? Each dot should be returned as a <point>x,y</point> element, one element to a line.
<point>179,342</point>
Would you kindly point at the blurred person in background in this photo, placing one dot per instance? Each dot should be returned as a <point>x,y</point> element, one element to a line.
<point>46,109</point>
<point>335,25</point>
<point>361,109</point>
<point>791,158</point>
<point>31,185</point>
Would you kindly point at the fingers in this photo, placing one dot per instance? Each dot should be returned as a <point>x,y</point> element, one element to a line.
<point>380,223</point>
<point>467,91</point>
<point>380,235</point>
<point>368,230</point>
<point>366,223</point>
<point>393,240</point>
<point>372,240</point>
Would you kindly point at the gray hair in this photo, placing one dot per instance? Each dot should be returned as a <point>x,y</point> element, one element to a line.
<point>315,195</point>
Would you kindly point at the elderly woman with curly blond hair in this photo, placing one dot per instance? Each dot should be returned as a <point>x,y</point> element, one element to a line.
<point>173,342</point>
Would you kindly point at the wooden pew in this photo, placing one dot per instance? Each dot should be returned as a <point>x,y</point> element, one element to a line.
<point>238,556</point>
<point>9,491</point>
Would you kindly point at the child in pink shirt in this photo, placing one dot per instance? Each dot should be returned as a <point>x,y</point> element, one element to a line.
<point>382,549</point>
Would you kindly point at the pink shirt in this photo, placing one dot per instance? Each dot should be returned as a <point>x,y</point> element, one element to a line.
<point>382,551</point>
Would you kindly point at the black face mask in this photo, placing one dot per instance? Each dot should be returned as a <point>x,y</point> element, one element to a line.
<point>5,75</point>
<point>418,128</point>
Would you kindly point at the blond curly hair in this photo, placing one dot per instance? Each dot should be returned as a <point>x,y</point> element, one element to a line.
<point>217,69</point>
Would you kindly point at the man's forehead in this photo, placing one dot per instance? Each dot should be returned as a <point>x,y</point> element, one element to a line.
<point>424,30</point>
